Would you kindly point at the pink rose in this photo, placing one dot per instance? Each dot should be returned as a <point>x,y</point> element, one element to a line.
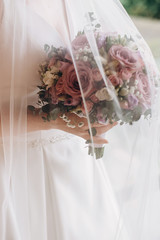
<point>93,98</point>
<point>144,88</point>
<point>68,56</point>
<point>79,42</point>
<point>70,81</point>
<point>59,87</point>
<point>115,80</point>
<point>127,57</point>
<point>125,73</point>
<point>89,106</point>
<point>52,92</point>
<point>86,79</point>
<point>124,104</point>
<point>52,62</point>
<point>132,101</point>
<point>96,74</point>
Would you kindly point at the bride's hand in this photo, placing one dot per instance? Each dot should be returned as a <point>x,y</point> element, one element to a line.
<point>81,128</point>
<point>77,126</point>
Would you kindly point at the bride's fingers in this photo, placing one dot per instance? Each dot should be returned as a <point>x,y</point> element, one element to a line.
<point>97,139</point>
<point>100,140</point>
<point>98,125</point>
<point>103,129</point>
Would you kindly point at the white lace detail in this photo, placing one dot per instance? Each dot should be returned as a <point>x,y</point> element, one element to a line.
<point>48,140</point>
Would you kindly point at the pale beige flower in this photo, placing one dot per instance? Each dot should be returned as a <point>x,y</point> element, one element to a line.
<point>103,94</point>
<point>48,79</point>
<point>54,69</point>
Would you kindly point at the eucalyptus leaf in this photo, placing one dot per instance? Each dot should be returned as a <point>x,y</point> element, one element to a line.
<point>31,108</point>
<point>97,25</point>
<point>54,113</point>
<point>46,48</point>
<point>148,112</point>
<point>137,113</point>
<point>48,108</point>
<point>91,14</point>
<point>44,118</point>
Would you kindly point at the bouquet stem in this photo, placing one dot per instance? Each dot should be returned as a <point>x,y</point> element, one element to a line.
<point>97,151</point>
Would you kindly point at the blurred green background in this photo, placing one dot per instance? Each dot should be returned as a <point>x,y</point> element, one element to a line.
<point>148,8</point>
<point>146,16</point>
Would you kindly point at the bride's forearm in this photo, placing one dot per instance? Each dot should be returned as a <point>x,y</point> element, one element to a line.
<point>36,123</point>
<point>0,127</point>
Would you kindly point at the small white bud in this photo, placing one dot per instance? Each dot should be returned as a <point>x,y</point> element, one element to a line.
<point>136,82</point>
<point>70,125</point>
<point>85,58</point>
<point>80,124</point>
<point>77,57</point>
<point>132,89</point>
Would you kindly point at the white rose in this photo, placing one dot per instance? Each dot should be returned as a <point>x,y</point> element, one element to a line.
<point>85,58</point>
<point>101,59</point>
<point>132,45</point>
<point>132,90</point>
<point>103,94</point>
<point>54,69</point>
<point>48,79</point>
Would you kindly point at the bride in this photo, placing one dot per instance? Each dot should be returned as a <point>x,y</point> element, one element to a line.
<point>50,188</point>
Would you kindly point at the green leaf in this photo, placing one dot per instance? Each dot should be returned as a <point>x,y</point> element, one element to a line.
<point>46,48</point>
<point>98,25</point>
<point>41,94</point>
<point>48,117</point>
<point>99,152</point>
<point>31,108</point>
<point>40,112</point>
<point>48,108</point>
<point>54,113</point>
<point>137,113</point>
<point>148,112</point>
<point>91,14</point>
<point>44,118</point>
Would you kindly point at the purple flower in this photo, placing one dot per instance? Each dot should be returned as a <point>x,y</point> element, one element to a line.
<point>100,116</point>
<point>132,101</point>
<point>79,42</point>
<point>101,39</point>
<point>126,56</point>
<point>144,88</point>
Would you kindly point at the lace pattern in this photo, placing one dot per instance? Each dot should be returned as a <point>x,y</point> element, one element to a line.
<point>45,140</point>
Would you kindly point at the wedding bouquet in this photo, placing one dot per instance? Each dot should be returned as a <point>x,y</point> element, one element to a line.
<point>119,91</point>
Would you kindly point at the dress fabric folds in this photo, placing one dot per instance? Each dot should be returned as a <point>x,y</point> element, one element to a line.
<point>50,187</point>
<point>63,203</point>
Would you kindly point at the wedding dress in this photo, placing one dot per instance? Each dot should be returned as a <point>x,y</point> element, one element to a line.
<point>50,188</point>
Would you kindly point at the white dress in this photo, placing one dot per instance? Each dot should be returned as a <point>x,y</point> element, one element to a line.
<point>67,195</point>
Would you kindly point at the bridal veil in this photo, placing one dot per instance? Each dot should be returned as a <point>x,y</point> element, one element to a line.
<point>131,159</point>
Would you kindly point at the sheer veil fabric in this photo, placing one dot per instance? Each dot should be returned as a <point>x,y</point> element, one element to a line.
<point>50,194</point>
